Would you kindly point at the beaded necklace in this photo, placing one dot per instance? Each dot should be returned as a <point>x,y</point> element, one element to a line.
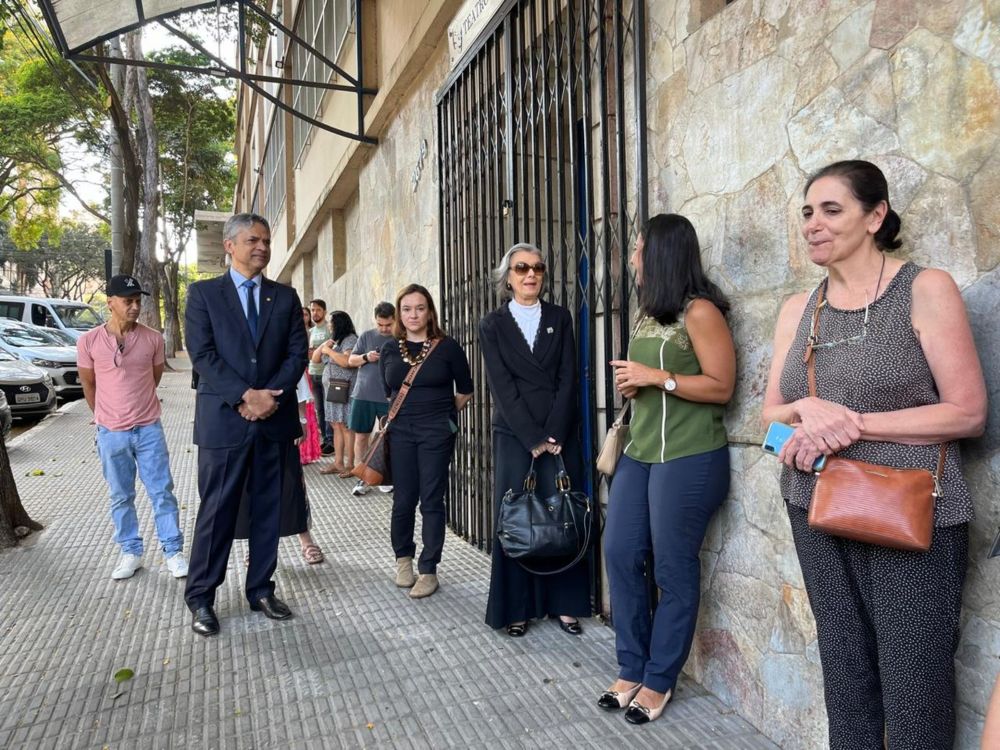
<point>405,353</point>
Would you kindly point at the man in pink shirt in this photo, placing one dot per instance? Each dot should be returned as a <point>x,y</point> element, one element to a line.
<point>121,363</point>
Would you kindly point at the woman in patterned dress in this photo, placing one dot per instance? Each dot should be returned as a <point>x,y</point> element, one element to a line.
<point>897,375</point>
<point>674,474</point>
<point>336,354</point>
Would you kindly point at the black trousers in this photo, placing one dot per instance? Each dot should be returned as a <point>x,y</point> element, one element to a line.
<point>420,453</point>
<point>257,467</point>
<point>319,400</point>
<point>887,623</point>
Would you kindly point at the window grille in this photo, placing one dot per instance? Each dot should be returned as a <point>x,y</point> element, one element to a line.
<point>325,25</point>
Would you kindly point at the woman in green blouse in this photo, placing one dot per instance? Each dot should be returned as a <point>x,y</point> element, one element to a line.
<point>674,474</point>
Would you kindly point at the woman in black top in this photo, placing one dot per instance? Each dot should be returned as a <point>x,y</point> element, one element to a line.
<point>422,434</point>
<point>530,358</point>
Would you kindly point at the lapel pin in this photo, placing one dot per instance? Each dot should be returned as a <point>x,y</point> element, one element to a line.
<point>549,329</point>
<point>268,299</point>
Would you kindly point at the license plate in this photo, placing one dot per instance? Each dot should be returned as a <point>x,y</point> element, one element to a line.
<point>27,398</point>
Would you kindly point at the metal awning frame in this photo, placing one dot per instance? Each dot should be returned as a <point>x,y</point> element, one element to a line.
<point>222,69</point>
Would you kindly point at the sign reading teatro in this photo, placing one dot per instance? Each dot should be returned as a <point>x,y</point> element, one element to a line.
<point>469,23</point>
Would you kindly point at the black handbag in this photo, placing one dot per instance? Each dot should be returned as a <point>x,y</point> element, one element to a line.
<point>338,391</point>
<point>533,527</point>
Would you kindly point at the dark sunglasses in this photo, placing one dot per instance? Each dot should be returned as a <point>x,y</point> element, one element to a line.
<point>521,269</point>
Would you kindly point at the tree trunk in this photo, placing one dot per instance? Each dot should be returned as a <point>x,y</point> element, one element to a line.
<point>145,266</point>
<point>171,316</point>
<point>13,518</point>
<point>131,170</point>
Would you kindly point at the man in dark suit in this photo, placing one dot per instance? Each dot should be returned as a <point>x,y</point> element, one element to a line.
<point>247,343</point>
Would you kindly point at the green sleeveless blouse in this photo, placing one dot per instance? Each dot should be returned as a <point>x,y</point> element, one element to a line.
<point>664,426</point>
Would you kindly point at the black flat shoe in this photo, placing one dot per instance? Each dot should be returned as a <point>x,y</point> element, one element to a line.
<point>517,630</point>
<point>612,700</point>
<point>272,607</point>
<point>639,714</point>
<point>204,621</point>
<point>573,628</point>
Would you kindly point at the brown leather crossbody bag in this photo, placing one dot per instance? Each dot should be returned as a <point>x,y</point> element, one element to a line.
<point>870,502</point>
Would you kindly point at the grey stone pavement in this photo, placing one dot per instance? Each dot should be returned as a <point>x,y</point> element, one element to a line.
<point>360,665</point>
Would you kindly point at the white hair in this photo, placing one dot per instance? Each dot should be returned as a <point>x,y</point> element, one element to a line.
<point>502,270</point>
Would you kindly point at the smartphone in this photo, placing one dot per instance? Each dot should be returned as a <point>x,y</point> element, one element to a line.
<point>777,435</point>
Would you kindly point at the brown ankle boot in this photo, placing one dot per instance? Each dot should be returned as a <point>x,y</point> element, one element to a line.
<point>404,572</point>
<point>426,585</point>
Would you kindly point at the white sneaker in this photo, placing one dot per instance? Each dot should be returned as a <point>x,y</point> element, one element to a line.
<point>360,489</point>
<point>127,566</point>
<point>385,488</point>
<point>177,565</point>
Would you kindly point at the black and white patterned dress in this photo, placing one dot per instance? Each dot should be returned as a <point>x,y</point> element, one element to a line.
<point>887,620</point>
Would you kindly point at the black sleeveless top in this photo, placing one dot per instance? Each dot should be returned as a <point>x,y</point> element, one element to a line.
<point>885,372</point>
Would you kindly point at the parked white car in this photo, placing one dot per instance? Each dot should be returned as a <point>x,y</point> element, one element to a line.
<point>43,348</point>
<point>75,318</point>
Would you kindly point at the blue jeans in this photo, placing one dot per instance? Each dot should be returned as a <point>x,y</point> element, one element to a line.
<point>663,509</point>
<point>121,452</point>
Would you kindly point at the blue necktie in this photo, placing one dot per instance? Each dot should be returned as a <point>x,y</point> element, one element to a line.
<point>249,285</point>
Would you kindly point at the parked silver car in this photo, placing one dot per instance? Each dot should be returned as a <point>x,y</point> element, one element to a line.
<point>5,416</point>
<point>43,348</point>
<point>28,389</point>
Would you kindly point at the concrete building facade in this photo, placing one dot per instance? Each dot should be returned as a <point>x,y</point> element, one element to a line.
<point>743,99</point>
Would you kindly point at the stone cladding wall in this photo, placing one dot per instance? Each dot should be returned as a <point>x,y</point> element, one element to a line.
<point>741,109</point>
<point>392,230</point>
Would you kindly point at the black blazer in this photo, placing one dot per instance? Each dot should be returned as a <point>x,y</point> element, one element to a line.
<point>228,361</point>
<point>534,392</point>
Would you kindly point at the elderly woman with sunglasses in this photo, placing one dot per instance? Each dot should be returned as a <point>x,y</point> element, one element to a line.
<point>530,358</point>
<point>896,376</point>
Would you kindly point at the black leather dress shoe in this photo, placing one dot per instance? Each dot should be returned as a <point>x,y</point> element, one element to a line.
<point>204,621</point>
<point>272,607</point>
<point>573,628</point>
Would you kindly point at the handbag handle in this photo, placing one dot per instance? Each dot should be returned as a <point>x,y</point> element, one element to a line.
<point>563,484</point>
<point>562,481</point>
<point>810,359</point>
<point>404,389</point>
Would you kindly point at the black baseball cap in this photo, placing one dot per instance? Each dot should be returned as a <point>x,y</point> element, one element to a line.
<point>124,285</point>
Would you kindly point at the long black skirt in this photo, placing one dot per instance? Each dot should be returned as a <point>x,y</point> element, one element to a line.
<point>294,502</point>
<point>515,594</point>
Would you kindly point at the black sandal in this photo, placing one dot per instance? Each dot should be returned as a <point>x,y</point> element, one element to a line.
<point>516,630</point>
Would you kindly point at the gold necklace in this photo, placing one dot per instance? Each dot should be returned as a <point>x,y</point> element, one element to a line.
<point>421,355</point>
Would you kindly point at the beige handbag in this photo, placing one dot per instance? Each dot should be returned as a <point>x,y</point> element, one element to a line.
<point>614,443</point>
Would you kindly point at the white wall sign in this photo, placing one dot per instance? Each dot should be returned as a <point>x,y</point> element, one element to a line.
<point>469,23</point>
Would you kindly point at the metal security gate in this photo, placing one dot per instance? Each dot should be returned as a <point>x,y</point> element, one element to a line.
<point>541,138</point>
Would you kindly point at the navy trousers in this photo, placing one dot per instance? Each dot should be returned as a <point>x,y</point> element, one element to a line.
<point>663,509</point>
<point>257,467</point>
<point>420,453</point>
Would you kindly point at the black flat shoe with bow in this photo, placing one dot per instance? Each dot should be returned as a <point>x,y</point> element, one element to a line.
<point>517,629</point>
<point>573,628</point>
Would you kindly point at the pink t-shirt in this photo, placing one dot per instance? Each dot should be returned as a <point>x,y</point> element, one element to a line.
<point>126,389</point>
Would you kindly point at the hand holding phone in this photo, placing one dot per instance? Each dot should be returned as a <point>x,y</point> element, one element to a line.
<point>776,437</point>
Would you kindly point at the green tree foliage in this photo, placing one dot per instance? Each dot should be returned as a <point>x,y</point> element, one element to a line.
<point>63,264</point>
<point>45,107</point>
<point>196,122</point>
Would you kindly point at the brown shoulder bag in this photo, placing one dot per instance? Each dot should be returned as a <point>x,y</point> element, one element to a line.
<point>869,502</point>
<point>374,468</point>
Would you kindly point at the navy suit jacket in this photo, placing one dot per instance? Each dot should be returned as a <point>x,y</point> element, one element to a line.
<point>534,392</point>
<point>228,361</point>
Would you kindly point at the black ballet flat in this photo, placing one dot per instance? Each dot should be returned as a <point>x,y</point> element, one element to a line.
<point>517,629</point>
<point>573,628</point>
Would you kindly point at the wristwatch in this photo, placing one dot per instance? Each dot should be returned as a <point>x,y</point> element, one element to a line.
<point>670,384</point>
<point>365,357</point>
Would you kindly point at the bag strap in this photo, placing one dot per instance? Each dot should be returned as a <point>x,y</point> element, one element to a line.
<point>404,389</point>
<point>620,416</point>
<point>810,360</point>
